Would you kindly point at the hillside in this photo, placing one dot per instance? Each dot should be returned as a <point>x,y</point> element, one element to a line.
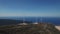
<point>41,28</point>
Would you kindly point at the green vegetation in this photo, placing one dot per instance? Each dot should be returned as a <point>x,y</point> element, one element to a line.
<point>29,29</point>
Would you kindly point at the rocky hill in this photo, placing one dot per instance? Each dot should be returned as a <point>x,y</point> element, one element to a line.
<point>41,28</point>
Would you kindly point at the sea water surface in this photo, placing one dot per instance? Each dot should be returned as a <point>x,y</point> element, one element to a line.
<point>53,20</point>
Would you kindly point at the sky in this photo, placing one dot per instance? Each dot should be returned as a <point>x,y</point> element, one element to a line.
<point>45,8</point>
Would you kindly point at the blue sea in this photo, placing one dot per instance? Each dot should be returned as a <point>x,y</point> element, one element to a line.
<point>53,20</point>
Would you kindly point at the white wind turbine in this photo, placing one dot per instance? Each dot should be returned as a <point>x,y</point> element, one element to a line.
<point>36,20</point>
<point>24,21</point>
<point>41,19</point>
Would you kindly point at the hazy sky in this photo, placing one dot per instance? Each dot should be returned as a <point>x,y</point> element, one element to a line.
<point>49,8</point>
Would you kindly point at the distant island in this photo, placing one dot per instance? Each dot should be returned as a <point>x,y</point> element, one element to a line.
<point>11,21</point>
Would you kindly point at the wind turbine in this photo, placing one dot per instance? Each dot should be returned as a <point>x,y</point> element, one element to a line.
<point>23,23</point>
<point>41,19</point>
<point>36,20</point>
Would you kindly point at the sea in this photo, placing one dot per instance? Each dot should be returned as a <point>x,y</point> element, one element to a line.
<point>52,20</point>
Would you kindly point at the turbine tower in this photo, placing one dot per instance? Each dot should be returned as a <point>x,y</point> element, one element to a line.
<point>41,19</point>
<point>36,18</point>
<point>24,21</point>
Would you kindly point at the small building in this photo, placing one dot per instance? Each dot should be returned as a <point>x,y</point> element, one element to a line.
<point>23,24</point>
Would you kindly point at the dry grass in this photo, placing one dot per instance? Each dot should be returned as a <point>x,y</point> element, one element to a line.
<point>41,28</point>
